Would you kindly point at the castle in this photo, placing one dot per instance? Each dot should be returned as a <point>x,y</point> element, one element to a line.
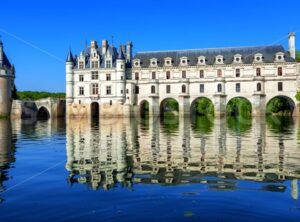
<point>106,81</point>
<point>7,76</point>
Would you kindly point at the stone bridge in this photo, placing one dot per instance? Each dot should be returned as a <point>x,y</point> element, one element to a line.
<point>39,109</point>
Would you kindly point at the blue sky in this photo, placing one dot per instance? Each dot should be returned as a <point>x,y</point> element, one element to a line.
<point>37,34</point>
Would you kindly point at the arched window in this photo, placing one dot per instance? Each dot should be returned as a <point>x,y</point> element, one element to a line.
<point>152,89</point>
<point>219,87</point>
<point>183,89</point>
<point>258,87</point>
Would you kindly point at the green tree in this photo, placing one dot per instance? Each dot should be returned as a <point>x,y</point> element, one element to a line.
<point>280,105</point>
<point>203,106</point>
<point>35,95</point>
<point>239,107</point>
<point>298,56</point>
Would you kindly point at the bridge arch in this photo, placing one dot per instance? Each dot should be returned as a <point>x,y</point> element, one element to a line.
<point>239,106</point>
<point>281,104</point>
<point>169,104</point>
<point>43,113</point>
<point>202,106</point>
<point>144,108</point>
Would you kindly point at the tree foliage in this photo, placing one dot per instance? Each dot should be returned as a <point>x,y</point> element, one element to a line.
<point>34,95</point>
<point>171,105</point>
<point>280,105</point>
<point>203,106</point>
<point>239,107</point>
<point>298,96</point>
<point>298,56</point>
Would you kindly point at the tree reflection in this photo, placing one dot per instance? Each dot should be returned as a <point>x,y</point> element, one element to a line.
<point>239,124</point>
<point>202,124</point>
<point>280,124</point>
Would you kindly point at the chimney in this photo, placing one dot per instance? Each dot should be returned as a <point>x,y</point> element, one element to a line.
<point>129,52</point>
<point>94,44</point>
<point>104,46</point>
<point>292,46</point>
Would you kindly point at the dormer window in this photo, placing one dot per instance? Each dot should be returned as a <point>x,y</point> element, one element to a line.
<point>279,57</point>
<point>201,60</point>
<point>168,61</point>
<point>153,62</point>
<point>94,64</point>
<point>136,63</point>
<point>108,64</point>
<point>219,59</point>
<point>237,58</point>
<point>258,58</point>
<point>183,61</point>
<point>81,65</point>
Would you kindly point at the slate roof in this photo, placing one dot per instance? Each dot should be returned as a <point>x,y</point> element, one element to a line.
<point>111,50</point>
<point>5,63</point>
<point>247,53</point>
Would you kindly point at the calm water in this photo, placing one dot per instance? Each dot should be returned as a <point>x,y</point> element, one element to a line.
<point>171,170</point>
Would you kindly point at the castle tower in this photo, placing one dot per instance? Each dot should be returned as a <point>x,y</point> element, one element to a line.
<point>121,78</point>
<point>69,81</point>
<point>7,76</point>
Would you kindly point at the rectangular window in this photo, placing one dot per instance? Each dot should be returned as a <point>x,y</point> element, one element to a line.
<point>168,75</point>
<point>108,90</point>
<point>258,72</point>
<point>279,71</point>
<point>201,74</point>
<point>219,87</point>
<point>80,65</point>
<point>238,87</point>
<point>201,88</point>
<point>280,87</point>
<point>237,73</point>
<point>81,78</point>
<point>219,73</point>
<point>81,91</point>
<point>95,89</point>
<point>168,89</point>
<point>153,75</point>
<point>94,64</point>
<point>127,91</point>
<point>108,64</point>
<point>137,90</point>
<point>183,74</point>
<point>108,77</point>
<point>136,76</point>
<point>95,76</point>
<point>122,91</point>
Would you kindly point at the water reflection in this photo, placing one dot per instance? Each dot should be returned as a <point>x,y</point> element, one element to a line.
<point>123,152</point>
<point>7,151</point>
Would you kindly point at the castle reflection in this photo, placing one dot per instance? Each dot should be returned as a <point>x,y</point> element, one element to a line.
<point>215,152</point>
<point>6,152</point>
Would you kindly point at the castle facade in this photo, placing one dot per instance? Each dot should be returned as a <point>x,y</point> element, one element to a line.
<point>106,81</point>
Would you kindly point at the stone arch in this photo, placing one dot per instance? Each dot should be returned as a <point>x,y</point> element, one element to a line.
<point>144,108</point>
<point>289,107</point>
<point>163,108</point>
<point>206,109</point>
<point>95,110</point>
<point>236,110</point>
<point>43,113</point>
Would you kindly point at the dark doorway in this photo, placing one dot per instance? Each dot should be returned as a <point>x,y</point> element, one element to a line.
<point>43,114</point>
<point>95,110</point>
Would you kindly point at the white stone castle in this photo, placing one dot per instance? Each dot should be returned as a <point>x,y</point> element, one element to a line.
<point>104,81</point>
